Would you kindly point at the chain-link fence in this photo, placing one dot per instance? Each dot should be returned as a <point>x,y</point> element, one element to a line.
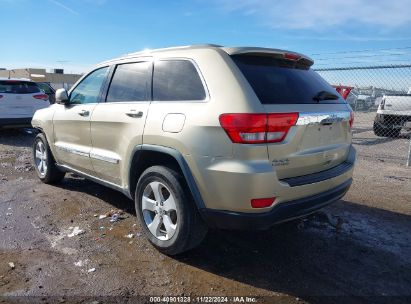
<point>381,99</point>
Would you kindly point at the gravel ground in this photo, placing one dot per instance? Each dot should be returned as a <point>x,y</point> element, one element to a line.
<point>356,250</point>
<point>383,149</point>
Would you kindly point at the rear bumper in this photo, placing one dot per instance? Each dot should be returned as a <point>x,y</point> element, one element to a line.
<point>15,122</point>
<point>320,176</point>
<point>231,184</point>
<point>282,212</point>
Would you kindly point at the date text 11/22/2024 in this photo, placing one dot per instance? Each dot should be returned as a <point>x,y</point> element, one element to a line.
<point>203,299</point>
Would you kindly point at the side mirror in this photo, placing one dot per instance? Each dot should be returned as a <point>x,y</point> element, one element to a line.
<point>62,96</point>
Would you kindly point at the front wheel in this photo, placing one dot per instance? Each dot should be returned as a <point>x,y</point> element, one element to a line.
<point>44,162</point>
<point>167,214</point>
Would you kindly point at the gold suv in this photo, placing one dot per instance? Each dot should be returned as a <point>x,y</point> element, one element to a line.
<point>202,136</point>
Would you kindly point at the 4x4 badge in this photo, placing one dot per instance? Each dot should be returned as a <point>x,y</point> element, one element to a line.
<point>281,162</point>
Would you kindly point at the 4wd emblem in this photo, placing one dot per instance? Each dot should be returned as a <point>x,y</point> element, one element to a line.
<point>280,162</point>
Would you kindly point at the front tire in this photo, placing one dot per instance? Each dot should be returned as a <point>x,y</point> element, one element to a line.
<point>167,214</point>
<point>44,162</point>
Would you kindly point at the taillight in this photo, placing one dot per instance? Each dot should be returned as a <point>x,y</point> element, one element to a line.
<point>262,202</point>
<point>257,128</point>
<point>44,97</point>
<point>351,118</point>
<point>278,126</point>
<point>245,128</point>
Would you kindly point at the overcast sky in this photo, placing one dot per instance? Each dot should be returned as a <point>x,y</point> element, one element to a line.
<point>76,34</point>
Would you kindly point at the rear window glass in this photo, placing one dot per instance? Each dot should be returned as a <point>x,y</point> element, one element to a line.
<point>18,87</point>
<point>130,82</point>
<point>176,80</point>
<point>277,81</point>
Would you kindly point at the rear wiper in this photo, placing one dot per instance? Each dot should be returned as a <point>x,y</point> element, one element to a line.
<point>324,95</point>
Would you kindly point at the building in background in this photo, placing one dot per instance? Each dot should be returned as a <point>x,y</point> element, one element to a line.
<point>55,77</point>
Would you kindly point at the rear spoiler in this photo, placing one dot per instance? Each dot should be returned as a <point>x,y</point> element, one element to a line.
<point>266,52</point>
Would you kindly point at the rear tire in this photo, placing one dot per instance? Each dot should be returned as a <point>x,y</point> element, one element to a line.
<point>167,214</point>
<point>44,162</point>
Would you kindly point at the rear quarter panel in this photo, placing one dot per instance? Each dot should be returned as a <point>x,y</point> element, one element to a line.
<point>202,141</point>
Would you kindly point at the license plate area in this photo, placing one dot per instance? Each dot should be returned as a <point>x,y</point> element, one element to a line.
<point>322,135</point>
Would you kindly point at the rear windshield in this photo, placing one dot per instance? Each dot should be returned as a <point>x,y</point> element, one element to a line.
<point>280,82</point>
<point>18,87</point>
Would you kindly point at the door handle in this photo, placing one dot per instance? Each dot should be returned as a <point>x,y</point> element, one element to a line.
<point>135,114</point>
<point>84,113</point>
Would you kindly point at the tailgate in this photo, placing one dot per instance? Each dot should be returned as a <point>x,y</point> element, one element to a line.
<point>320,140</point>
<point>17,98</point>
<point>15,105</point>
<point>320,137</point>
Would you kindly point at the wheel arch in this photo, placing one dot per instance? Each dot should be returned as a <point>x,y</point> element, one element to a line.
<point>49,137</point>
<point>145,156</point>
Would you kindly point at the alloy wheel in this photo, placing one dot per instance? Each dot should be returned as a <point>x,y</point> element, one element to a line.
<point>41,158</point>
<point>159,210</point>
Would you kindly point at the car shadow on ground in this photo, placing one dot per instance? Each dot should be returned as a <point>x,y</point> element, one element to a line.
<point>375,140</point>
<point>362,252</point>
<point>357,130</point>
<point>363,141</point>
<point>23,137</point>
<point>345,250</point>
<point>116,199</point>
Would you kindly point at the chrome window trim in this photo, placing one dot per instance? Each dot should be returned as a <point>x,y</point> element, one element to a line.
<point>322,118</point>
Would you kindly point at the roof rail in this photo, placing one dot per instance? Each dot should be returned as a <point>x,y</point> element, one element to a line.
<point>205,45</point>
<point>16,79</point>
<point>193,46</point>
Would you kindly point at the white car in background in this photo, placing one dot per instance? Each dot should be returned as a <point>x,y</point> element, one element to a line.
<point>19,100</point>
<point>393,115</point>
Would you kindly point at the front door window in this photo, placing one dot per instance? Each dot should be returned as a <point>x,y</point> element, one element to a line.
<point>88,91</point>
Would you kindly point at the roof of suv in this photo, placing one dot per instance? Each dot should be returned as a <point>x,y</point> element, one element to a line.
<point>228,50</point>
<point>15,79</point>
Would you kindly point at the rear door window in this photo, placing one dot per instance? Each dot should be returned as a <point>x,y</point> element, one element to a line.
<point>18,87</point>
<point>177,80</point>
<point>131,82</point>
<point>276,81</point>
